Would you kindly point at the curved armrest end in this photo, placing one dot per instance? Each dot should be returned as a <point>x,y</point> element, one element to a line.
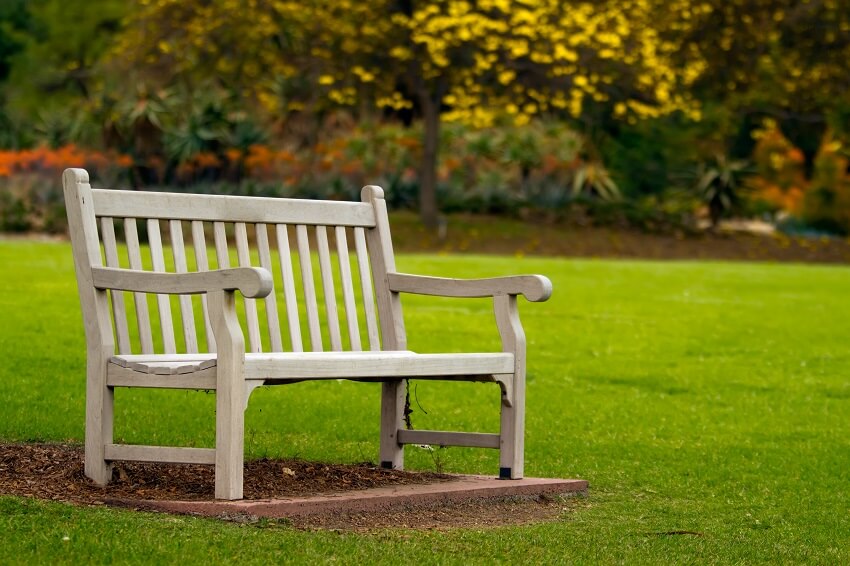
<point>538,288</point>
<point>252,282</point>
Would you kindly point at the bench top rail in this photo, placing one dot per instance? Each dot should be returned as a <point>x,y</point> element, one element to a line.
<point>224,208</point>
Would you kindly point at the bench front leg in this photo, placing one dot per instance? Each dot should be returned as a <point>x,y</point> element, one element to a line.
<point>512,429</point>
<point>229,396</point>
<point>100,400</point>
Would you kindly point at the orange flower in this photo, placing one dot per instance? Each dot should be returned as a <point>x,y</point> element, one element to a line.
<point>124,160</point>
<point>207,159</point>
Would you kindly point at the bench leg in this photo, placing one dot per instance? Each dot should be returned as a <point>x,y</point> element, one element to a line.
<point>229,397</point>
<point>392,419</point>
<point>512,435</point>
<point>229,444</point>
<point>100,400</point>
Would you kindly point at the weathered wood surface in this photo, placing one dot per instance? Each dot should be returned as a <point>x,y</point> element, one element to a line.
<point>250,281</point>
<point>218,208</point>
<point>142,453</point>
<point>532,287</point>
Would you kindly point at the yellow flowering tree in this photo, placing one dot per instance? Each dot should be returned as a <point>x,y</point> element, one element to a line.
<point>242,45</point>
<point>479,62</point>
<point>454,60</point>
<point>785,60</point>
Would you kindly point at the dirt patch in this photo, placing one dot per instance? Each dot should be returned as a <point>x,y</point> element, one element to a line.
<point>55,472</point>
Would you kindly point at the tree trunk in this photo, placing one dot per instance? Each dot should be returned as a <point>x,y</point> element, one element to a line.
<point>428,176</point>
<point>807,135</point>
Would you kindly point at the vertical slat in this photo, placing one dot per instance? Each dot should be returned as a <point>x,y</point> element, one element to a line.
<point>244,256</point>
<point>119,311</point>
<point>347,289</point>
<point>289,288</point>
<point>366,287</point>
<point>271,300</point>
<point>328,288</point>
<point>187,313</point>
<point>222,255</point>
<point>131,235</point>
<point>309,288</point>
<point>199,241</point>
<point>162,301</point>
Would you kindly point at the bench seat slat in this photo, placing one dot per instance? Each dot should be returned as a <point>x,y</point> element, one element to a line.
<point>344,365</point>
<point>171,364</point>
<point>332,365</point>
<point>223,208</point>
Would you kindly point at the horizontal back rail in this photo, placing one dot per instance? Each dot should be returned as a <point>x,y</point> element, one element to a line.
<point>221,208</point>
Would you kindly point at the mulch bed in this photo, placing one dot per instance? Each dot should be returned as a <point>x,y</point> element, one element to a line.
<point>55,472</point>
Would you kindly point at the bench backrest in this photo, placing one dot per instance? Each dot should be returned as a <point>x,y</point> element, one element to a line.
<point>329,261</point>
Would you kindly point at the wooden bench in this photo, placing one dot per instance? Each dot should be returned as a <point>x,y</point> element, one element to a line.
<point>124,349</point>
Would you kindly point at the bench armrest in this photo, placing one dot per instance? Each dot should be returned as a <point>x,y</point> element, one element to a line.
<point>252,282</point>
<point>535,288</point>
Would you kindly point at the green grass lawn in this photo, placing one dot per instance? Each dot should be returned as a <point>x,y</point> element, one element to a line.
<point>704,397</point>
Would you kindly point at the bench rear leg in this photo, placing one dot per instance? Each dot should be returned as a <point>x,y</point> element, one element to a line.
<point>512,435</point>
<point>100,400</point>
<point>392,419</point>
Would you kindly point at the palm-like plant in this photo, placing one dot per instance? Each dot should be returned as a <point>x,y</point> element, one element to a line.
<point>719,184</point>
<point>140,117</point>
<point>592,178</point>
